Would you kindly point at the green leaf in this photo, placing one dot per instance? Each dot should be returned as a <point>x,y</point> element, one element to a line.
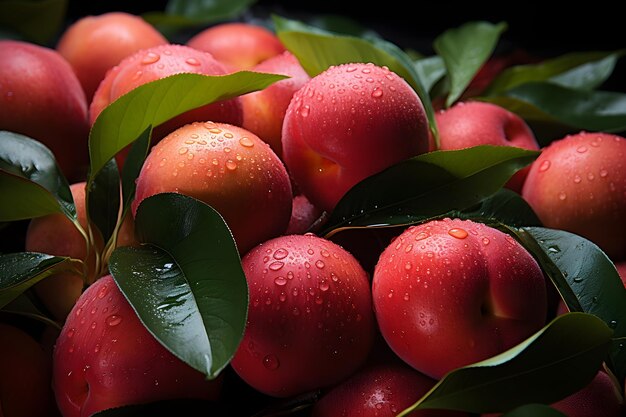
<point>24,306</point>
<point>186,283</point>
<point>586,279</point>
<point>151,104</point>
<point>503,207</point>
<point>103,197</point>
<point>180,14</point>
<point>557,361</point>
<point>317,50</point>
<point>440,182</point>
<point>534,410</point>
<point>584,70</point>
<point>38,20</point>
<point>464,50</point>
<point>588,110</point>
<point>430,71</point>
<point>31,180</point>
<point>132,167</point>
<point>20,271</point>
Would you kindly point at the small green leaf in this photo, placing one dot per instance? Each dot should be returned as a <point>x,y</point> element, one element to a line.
<point>20,271</point>
<point>151,104</point>
<point>430,70</point>
<point>317,50</point>
<point>180,14</point>
<point>31,180</point>
<point>534,410</point>
<point>557,361</point>
<point>464,50</point>
<point>186,282</point>
<point>37,20</point>
<point>581,109</point>
<point>504,207</point>
<point>586,279</point>
<point>103,197</point>
<point>440,182</point>
<point>585,70</point>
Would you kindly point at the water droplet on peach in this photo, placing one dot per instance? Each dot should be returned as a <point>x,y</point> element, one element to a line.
<point>280,281</point>
<point>271,362</point>
<point>377,92</point>
<point>276,265</point>
<point>150,58</point>
<point>545,165</point>
<point>458,233</point>
<point>114,320</point>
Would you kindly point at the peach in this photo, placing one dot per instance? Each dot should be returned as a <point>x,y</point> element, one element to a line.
<point>41,97</point>
<point>264,111</point>
<point>156,63</point>
<point>310,321</point>
<point>228,168</point>
<point>477,123</point>
<point>578,185</point>
<point>240,46</point>
<point>348,123</point>
<point>303,215</point>
<point>452,292</point>
<point>105,358</point>
<point>94,44</point>
<point>25,374</point>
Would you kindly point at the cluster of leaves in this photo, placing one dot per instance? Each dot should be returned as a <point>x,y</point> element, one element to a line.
<point>188,309</point>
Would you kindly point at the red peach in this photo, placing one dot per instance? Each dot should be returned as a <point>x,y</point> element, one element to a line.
<point>239,46</point>
<point>348,123</point>
<point>228,168</point>
<point>105,358</point>
<point>25,376</point>
<point>477,123</point>
<point>449,293</point>
<point>578,185</point>
<point>310,322</point>
<point>303,215</point>
<point>381,390</point>
<point>41,97</point>
<point>94,44</point>
<point>264,111</point>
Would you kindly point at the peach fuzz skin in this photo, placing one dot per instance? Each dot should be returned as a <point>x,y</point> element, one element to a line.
<point>94,44</point>
<point>156,63</point>
<point>239,46</point>
<point>228,168</point>
<point>105,358</point>
<point>577,185</point>
<point>449,293</point>
<point>348,123</point>
<point>477,123</point>
<point>310,313</point>
<point>43,99</point>
<point>264,111</point>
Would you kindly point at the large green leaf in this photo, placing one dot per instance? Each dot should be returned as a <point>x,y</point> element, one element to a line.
<point>534,410</point>
<point>186,282</point>
<point>103,199</point>
<point>20,271</point>
<point>151,104</point>
<point>581,109</point>
<point>585,70</point>
<point>428,185</point>
<point>504,207</point>
<point>317,50</point>
<point>586,279</point>
<point>31,181</point>
<point>555,362</point>
<point>464,50</point>
<point>37,20</point>
<point>181,14</point>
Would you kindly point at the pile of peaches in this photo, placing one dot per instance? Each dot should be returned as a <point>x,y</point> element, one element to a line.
<point>238,260</point>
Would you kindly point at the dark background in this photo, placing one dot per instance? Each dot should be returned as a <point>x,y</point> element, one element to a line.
<point>543,30</point>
